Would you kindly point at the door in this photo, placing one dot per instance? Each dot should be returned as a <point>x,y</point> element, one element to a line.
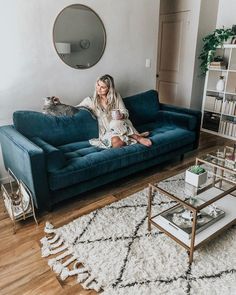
<point>172,67</point>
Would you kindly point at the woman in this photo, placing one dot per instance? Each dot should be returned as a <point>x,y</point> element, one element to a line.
<point>105,100</point>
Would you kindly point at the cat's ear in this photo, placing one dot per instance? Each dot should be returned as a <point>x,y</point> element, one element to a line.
<point>56,100</point>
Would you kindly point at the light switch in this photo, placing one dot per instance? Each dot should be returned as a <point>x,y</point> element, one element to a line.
<point>148,63</point>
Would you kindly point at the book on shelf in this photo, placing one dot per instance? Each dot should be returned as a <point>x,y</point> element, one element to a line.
<point>213,103</point>
<point>181,219</point>
<point>228,128</point>
<point>218,65</point>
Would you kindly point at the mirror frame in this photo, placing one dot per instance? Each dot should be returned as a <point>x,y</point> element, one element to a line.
<point>104,33</point>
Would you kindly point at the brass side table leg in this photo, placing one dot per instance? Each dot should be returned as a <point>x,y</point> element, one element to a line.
<point>214,176</point>
<point>221,174</point>
<point>193,236</point>
<point>150,196</point>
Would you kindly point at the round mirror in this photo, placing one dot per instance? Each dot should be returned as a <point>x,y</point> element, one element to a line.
<point>79,36</point>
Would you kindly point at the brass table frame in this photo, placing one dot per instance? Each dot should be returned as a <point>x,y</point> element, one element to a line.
<point>154,188</point>
<point>215,167</point>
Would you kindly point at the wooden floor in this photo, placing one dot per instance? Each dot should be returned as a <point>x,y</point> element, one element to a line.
<point>23,271</point>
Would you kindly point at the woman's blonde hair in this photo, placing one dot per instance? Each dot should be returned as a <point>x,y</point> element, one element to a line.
<point>111,95</point>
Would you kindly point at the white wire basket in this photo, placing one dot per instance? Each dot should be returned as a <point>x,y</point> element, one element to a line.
<point>17,199</point>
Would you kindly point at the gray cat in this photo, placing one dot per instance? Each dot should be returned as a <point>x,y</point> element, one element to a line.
<point>53,106</point>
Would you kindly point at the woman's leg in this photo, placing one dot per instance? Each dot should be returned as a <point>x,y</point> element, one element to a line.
<point>142,140</point>
<point>117,142</point>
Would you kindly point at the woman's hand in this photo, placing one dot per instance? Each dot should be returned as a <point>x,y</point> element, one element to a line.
<point>120,116</point>
<point>117,115</point>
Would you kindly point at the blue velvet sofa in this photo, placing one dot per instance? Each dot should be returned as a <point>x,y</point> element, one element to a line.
<point>53,157</point>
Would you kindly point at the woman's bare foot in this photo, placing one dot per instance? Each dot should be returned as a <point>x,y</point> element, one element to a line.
<point>142,140</point>
<point>145,134</point>
<point>117,142</point>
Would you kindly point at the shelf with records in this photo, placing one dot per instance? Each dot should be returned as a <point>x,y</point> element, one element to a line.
<point>219,100</point>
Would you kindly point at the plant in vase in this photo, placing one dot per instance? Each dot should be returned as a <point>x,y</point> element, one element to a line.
<point>196,175</point>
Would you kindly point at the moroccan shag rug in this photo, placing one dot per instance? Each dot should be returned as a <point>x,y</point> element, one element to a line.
<point>110,250</point>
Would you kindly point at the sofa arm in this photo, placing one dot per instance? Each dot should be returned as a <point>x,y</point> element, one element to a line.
<point>195,113</point>
<point>172,108</point>
<point>186,121</point>
<point>55,158</point>
<point>27,161</point>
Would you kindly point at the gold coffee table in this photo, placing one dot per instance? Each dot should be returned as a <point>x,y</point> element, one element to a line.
<point>182,197</point>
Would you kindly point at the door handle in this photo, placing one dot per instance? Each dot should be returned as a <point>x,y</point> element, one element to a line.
<point>157,76</point>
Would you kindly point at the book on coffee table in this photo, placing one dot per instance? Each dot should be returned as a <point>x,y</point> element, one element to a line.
<point>181,218</point>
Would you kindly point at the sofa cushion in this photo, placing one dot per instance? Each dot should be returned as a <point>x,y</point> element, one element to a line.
<point>86,162</point>
<point>56,130</point>
<point>143,108</point>
<point>55,158</point>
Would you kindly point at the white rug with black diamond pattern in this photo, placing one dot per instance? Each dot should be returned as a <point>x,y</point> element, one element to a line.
<point>110,250</point>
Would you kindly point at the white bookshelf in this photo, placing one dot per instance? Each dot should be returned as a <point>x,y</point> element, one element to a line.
<point>219,108</point>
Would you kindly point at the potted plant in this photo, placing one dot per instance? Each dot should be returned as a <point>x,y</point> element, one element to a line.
<point>196,175</point>
<point>210,44</point>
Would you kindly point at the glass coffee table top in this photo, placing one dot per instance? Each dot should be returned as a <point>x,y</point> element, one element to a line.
<point>223,157</point>
<point>188,194</point>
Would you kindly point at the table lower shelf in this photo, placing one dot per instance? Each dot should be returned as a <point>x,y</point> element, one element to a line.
<point>227,204</point>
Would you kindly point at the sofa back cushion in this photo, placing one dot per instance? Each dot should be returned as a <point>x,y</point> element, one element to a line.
<point>143,107</point>
<point>56,130</point>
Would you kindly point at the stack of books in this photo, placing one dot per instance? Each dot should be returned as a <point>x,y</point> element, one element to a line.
<point>218,65</point>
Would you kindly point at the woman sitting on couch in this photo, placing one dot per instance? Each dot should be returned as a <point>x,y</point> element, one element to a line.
<point>115,129</point>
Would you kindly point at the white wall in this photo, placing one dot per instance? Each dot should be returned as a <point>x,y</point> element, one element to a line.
<point>207,24</point>
<point>30,68</point>
<point>226,13</point>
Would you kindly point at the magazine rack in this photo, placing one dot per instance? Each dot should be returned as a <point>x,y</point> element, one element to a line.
<point>18,200</point>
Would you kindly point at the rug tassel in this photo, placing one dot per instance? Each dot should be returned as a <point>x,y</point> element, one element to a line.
<point>97,287</point>
<point>82,277</point>
<point>49,228</point>
<point>51,244</point>
<point>47,251</point>
<point>57,244</point>
<point>58,267</point>
<point>88,281</point>
<point>66,273</point>
<point>59,257</point>
<point>76,271</point>
<point>53,240</point>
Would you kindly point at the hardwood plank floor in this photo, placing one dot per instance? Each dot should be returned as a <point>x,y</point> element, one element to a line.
<point>23,271</point>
